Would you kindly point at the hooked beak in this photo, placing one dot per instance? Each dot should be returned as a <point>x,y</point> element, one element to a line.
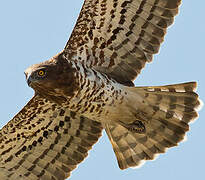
<point>29,81</point>
<point>29,77</point>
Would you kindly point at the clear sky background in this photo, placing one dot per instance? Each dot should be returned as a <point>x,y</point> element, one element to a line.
<point>35,30</point>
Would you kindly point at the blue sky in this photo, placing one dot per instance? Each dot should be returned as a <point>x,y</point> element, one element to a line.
<point>33,31</point>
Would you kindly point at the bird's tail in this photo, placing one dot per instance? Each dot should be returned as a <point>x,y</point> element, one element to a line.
<point>158,126</point>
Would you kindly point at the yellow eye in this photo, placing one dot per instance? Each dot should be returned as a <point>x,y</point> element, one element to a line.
<point>41,73</point>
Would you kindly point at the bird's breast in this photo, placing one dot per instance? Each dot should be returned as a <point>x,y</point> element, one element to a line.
<point>98,97</point>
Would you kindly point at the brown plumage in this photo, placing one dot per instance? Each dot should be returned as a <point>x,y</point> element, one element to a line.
<point>45,141</point>
<point>166,120</point>
<point>88,87</point>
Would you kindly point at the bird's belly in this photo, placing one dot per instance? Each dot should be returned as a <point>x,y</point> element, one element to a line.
<point>114,109</point>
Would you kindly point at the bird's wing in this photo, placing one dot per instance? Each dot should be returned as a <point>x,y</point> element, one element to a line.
<point>45,141</point>
<point>118,37</point>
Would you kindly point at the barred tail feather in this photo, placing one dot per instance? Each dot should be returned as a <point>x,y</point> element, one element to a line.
<point>168,112</point>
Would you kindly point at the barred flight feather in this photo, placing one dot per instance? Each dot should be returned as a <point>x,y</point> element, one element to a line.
<point>118,37</point>
<point>45,141</point>
<point>170,110</point>
<point>89,86</point>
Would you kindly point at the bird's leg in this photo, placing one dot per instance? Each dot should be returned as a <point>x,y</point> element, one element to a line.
<point>135,127</point>
<point>139,125</point>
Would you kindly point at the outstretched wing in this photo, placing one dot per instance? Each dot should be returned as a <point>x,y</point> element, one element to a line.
<point>118,37</point>
<point>45,141</point>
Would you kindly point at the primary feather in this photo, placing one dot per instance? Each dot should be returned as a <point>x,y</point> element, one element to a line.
<point>45,141</point>
<point>89,86</point>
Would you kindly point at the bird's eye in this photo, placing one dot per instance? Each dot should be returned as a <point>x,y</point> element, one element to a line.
<point>41,73</point>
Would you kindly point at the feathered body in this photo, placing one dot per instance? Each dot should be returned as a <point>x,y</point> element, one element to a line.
<point>125,112</point>
<point>83,90</point>
<point>89,87</point>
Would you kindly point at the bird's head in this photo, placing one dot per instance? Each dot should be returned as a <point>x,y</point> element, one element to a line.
<point>52,79</point>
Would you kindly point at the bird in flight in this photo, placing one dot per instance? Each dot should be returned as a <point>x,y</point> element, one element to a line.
<point>89,87</point>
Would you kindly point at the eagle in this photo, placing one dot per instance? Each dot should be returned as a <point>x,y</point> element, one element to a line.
<point>88,87</point>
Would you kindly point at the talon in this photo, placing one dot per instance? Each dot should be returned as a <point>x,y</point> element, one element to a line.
<point>136,127</point>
